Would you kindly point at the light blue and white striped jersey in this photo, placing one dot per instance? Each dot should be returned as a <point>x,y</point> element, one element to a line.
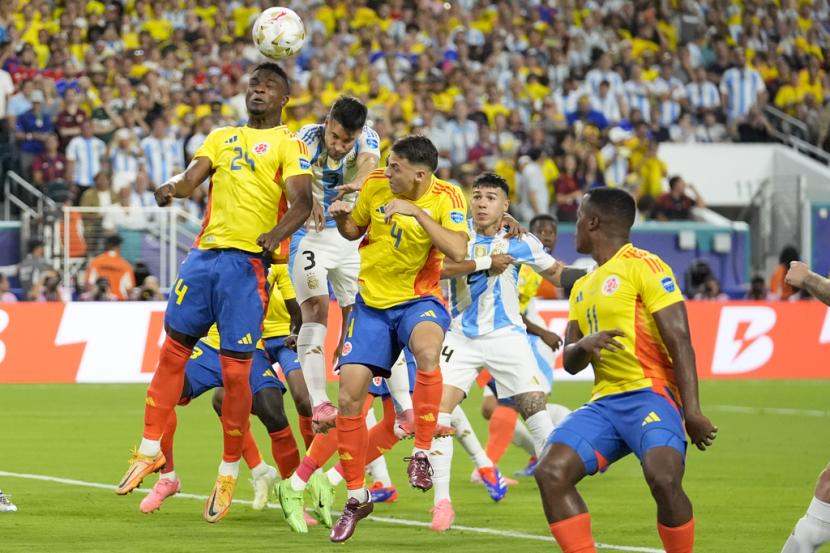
<point>594,78</point>
<point>124,161</point>
<point>637,97</point>
<point>741,87</point>
<point>480,303</point>
<point>669,113</point>
<point>164,158</point>
<point>329,174</point>
<point>87,154</point>
<point>703,96</point>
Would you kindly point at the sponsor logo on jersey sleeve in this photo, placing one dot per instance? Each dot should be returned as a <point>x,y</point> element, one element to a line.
<point>668,284</point>
<point>456,217</point>
<point>304,164</point>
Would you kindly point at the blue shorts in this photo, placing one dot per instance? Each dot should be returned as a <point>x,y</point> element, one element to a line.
<point>286,357</point>
<point>375,337</point>
<point>227,287</point>
<point>204,372</point>
<point>605,430</point>
<point>379,388</point>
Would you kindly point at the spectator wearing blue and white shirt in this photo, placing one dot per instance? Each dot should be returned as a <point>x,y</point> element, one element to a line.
<point>603,72</point>
<point>84,155</point>
<point>125,157</point>
<point>462,133</point>
<point>637,93</point>
<point>163,153</point>
<point>607,103</point>
<point>741,88</point>
<point>702,94</point>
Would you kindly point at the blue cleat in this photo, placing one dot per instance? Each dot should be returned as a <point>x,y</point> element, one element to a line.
<point>494,482</point>
<point>381,494</point>
<point>528,470</point>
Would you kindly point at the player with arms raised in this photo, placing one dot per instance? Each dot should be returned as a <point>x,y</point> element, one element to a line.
<point>628,319</point>
<point>411,220</point>
<point>256,171</point>
<point>813,529</point>
<point>343,152</point>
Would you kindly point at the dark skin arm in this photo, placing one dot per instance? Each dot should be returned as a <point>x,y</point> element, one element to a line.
<point>552,339</point>
<point>579,349</point>
<point>298,190</point>
<point>673,324</point>
<point>296,315</point>
<point>183,184</point>
<point>341,212</point>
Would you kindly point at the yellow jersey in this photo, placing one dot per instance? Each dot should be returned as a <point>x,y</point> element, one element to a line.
<point>398,262</point>
<point>277,320</point>
<point>247,184</point>
<point>622,294</point>
<point>529,281</point>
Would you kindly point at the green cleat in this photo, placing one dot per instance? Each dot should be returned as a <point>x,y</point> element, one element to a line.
<point>321,493</point>
<point>291,502</point>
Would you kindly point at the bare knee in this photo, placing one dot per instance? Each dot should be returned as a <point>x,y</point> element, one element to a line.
<point>559,469</point>
<point>664,484</point>
<point>216,401</point>
<point>488,406</point>
<point>823,485</point>
<point>315,310</point>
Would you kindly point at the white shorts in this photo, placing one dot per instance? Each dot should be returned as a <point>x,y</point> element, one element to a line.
<point>505,353</point>
<point>321,257</point>
<point>545,358</point>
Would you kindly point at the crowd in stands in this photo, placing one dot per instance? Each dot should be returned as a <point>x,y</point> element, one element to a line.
<point>102,101</point>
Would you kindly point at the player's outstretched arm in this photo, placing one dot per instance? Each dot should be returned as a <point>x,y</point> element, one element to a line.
<point>552,339</point>
<point>553,274</point>
<point>494,265</point>
<point>673,324</point>
<point>800,276</point>
<point>183,184</point>
<point>341,212</point>
<point>452,243</point>
<point>298,189</point>
<point>580,350</point>
<point>366,163</point>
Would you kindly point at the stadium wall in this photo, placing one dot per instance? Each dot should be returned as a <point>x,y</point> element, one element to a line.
<point>118,342</point>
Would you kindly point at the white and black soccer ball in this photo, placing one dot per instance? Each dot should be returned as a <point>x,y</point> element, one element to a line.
<point>279,33</point>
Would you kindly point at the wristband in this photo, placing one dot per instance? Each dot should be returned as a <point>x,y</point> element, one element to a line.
<point>483,263</point>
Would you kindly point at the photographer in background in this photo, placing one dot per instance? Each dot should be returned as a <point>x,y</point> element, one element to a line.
<point>100,292</point>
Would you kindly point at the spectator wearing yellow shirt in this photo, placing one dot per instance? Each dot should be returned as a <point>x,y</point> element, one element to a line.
<point>790,95</point>
<point>651,172</point>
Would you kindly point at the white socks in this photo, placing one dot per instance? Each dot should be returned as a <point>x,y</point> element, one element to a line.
<point>523,439</point>
<point>557,413</point>
<point>812,530</point>
<point>334,477</point>
<point>229,469</point>
<point>361,495</point>
<point>469,441</point>
<point>169,475</point>
<point>441,460</point>
<point>398,384</point>
<point>377,468</point>
<point>297,483</point>
<point>310,342</point>
<point>149,447</point>
<point>540,428</point>
<point>260,470</point>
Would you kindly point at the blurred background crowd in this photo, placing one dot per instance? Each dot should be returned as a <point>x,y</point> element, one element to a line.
<point>101,101</point>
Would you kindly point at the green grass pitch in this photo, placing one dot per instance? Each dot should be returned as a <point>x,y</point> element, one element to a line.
<point>748,490</point>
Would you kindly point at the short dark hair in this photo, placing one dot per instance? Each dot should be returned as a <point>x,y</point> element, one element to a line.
<point>488,179</point>
<point>789,254</point>
<point>673,181</point>
<point>112,242</point>
<point>614,203</point>
<point>544,218</point>
<point>418,150</point>
<point>274,68</point>
<point>34,244</point>
<point>349,112</point>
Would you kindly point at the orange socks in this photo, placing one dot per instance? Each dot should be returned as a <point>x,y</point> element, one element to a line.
<point>323,447</point>
<point>165,388</point>
<point>352,442</point>
<point>306,431</point>
<point>502,426</point>
<point>426,399</point>
<point>574,534</point>
<point>680,539</point>
<point>236,407</point>
<point>167,441</point>
<point>284,450</point>
<point>382,435</point>
<point>250,451</point>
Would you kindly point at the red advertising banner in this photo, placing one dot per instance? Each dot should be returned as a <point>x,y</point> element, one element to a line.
<point>119,341</point>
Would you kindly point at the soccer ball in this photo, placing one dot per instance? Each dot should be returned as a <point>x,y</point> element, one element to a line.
<point>278,33</point>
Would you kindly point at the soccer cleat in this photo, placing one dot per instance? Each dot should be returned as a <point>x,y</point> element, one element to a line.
<point>262,488</point>
<point>381,494</point>
<point>321,494</point>
<point>163,489</point>
<point>442,431</point>
<point>6,506</point>
<point>528,470</point>
<point>141,466</point>
<point>323,417</point>
<point>405,424</point>
<point>219,500</point>
<point>494,482</point>
<point>353,512</point>
<point>291,502</point>
<point>443,516</point>
<point>419,471</point>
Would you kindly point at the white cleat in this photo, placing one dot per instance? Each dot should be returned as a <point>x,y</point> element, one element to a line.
<point>6,506</point>
<point>263,487</point>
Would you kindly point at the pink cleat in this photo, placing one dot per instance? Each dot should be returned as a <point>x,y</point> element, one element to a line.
<point>309,520</point>
<point>323,417</point>
<point>475,478</point>
<point>163,489</point>
<point>405,424</point>
<point>443,516</point>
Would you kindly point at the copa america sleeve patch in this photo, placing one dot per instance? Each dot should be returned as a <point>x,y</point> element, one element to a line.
<point>668,284</point>
<point>456,217</point>
<point>304,164</point>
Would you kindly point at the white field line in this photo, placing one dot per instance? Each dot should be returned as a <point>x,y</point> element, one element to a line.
<point>768,411</point>
<point>387,520</point>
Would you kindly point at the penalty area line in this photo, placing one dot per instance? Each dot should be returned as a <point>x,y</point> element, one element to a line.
<point>383,520</point>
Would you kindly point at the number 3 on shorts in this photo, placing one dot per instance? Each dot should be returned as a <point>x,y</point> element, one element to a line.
<point>180,290</point>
